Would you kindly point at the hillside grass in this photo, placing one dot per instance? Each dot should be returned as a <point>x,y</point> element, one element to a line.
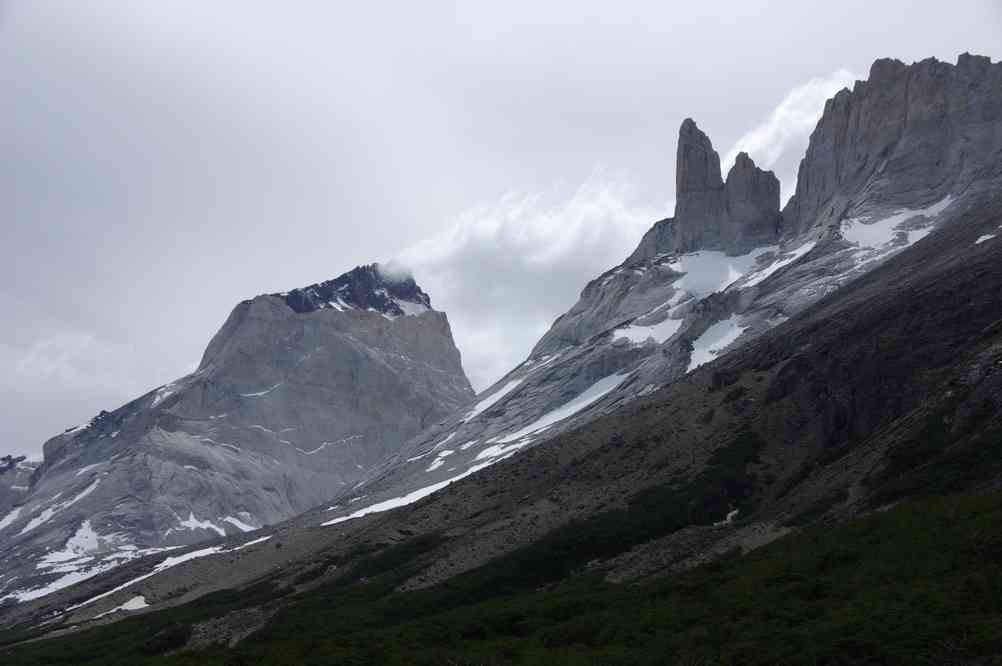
<point>919,583</point>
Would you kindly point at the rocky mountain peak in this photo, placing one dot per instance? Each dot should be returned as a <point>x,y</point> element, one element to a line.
<point>752,197</point>
<point>10,462</point>
<point>697,163</point>
<point>368,287</point>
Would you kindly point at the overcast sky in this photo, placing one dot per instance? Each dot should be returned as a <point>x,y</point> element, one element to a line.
<point>163,160</point>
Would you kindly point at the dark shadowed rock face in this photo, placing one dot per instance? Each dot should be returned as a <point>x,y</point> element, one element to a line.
<point>365,288</point>
<point>752,205</point>
<point>289,406</point>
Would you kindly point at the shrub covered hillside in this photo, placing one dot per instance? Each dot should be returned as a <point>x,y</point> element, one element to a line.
<point>919,583</point>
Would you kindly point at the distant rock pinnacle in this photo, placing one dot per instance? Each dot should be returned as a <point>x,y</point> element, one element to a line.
<point>732,216</point>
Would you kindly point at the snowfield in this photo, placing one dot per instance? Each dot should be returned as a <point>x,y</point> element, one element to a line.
<point>714,341</point>
<point>593,393</point>
<point>492,399</point>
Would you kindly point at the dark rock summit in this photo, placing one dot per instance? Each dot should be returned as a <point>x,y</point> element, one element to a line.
<point>370,287</point>
<point>10,462</point>
<point>752,205</point>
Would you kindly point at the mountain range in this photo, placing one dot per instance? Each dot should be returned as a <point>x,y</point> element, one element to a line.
<point>749,375</point>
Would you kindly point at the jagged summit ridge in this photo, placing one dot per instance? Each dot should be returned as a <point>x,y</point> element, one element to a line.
<point>733,215</point>
<point>906,137</point>
<point>368,287</point>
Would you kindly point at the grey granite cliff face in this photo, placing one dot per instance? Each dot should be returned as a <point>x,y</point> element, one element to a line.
<point>700,196</point>
<point>296,398</point>
<point>733,215</point>
<point>752,205</point>
<point>906,137</point>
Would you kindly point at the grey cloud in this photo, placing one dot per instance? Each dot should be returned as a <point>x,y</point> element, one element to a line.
<point>504,271</point>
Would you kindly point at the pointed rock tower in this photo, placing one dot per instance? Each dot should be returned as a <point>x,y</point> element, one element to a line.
<point>732,216</point>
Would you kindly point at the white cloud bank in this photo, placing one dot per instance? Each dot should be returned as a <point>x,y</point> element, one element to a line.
<point>780,141</point>
<point>503,272</point>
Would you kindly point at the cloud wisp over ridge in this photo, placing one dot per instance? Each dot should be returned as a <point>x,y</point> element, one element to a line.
<point>779,142</point>
<point>503,271</point>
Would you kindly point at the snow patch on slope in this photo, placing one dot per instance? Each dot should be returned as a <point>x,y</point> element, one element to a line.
<point>80,569</point>
<point>10,518</point>
<point>168,563</point>
<point>411,309</point>
<point>239,524</point>
<point>133,604</point>
<point>193,523</point>
<point>781,261</point>
<point>593,393</point>
<point>709,271</point>
<point>84,540</point>
<point>404,500</point>
<point>713,341</point>
<point>84,470</point>
<point>439,460</point>
<point>874,234</point>
<point>47,513</point>
<point>492,399</point>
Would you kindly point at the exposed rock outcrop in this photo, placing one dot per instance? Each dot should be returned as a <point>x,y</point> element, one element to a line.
<point>906,137</point>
